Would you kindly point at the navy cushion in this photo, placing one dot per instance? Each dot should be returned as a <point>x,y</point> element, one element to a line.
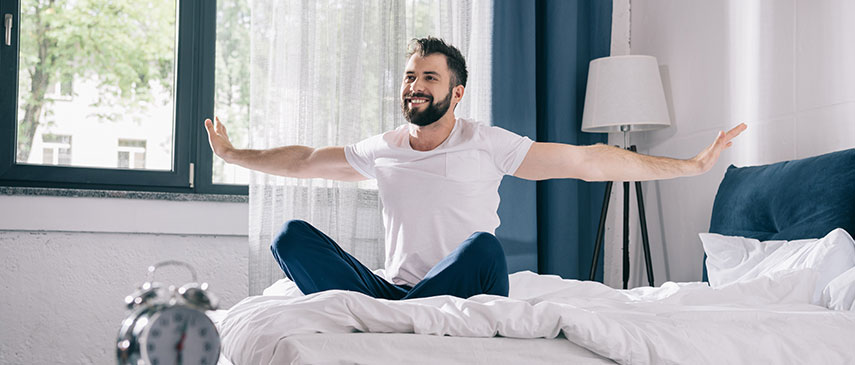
<point>788,200</point>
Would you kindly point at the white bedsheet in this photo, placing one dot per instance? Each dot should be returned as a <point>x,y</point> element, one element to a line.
<point>409,348</point>
<point>766,320</point>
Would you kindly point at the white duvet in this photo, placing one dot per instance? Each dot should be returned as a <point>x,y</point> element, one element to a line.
<point>765,320</point>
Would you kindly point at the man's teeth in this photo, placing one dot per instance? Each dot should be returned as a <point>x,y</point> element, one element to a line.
<point>418,101</point>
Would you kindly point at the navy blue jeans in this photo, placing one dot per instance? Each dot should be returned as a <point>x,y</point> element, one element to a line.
<point>316,263</point>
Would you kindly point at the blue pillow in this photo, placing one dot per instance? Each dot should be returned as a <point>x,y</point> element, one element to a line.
<point>787,200</point>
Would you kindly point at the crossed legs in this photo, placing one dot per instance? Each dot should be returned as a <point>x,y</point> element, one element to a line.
<point>315,263</point>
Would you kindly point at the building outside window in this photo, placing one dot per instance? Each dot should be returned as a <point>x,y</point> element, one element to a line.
<point>56,149</point>
<point>131,154</point>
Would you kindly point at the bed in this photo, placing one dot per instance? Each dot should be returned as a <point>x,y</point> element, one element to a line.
<point>781,266</point>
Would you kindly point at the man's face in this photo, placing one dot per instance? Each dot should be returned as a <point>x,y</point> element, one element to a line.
<point>426,80</point>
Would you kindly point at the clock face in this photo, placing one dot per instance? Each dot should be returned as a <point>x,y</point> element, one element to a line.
<point>179,335</point>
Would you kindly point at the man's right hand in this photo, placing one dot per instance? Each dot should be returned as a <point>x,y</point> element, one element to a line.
<point>291,161</point>
<point>218,137</point>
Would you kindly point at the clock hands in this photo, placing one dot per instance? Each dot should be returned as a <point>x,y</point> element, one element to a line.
<point>180,346</point>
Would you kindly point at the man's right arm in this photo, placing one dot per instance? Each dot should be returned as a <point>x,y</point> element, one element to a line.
<point>291,161</point>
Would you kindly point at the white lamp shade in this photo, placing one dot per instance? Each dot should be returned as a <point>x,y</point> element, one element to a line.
<point>624,94</point>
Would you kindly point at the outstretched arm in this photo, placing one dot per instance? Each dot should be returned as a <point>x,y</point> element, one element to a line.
<point>606,163</point>
<point>290,161</point>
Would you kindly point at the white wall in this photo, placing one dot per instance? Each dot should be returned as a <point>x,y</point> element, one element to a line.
<point>785,67</point>
<point>66,265</point>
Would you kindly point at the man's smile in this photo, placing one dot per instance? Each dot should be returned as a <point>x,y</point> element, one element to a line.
<point>416,101</point>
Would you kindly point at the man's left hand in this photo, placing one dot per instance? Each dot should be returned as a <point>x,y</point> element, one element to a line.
<point>709,156</point>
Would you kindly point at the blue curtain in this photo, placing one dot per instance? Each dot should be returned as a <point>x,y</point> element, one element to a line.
<point>541,52</point>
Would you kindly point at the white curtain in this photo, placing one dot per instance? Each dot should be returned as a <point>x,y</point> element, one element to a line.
<point>328,73</point>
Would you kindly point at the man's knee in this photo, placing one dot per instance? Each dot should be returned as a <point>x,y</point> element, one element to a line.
<point>486,252</point>
<point>483,244</point>
<point>289,237</point>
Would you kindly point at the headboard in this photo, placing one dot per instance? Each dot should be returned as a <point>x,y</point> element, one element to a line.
<point>787,200</point>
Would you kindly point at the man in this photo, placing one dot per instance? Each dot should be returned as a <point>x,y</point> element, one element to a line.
<point>438,178</point>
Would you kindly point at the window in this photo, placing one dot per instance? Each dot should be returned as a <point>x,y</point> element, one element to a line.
<point>129,82</point>
<point>231,91</point>
<point>131,154</point>
<point>60,90</point>
<point>56,149</point>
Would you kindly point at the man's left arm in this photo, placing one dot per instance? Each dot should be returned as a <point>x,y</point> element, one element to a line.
<point>607,163</point>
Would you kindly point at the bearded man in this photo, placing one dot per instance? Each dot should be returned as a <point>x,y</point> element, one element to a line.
<point>438,178</point>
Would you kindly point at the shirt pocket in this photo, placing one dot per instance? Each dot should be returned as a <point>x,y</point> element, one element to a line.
<point>463,165</point>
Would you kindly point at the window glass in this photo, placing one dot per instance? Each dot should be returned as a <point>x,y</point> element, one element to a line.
<point>231,93</point>
<point>131,153</point>
<point>92,72</point>
<point>56,149</point>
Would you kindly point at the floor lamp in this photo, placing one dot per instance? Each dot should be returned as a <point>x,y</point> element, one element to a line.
<point>624,94</point>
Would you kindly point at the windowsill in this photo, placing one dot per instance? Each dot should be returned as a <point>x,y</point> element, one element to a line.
<point>108,211</point>
<point>120,194</point>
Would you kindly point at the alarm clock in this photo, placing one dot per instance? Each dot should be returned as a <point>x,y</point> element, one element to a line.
<point>168,325</point>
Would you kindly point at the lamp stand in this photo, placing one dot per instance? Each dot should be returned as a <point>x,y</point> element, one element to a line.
<point>643,221</point>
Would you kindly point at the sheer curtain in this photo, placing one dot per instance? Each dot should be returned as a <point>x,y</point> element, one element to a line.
<point>328,73</point>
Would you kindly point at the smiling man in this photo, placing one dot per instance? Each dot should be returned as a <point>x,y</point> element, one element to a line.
<point>438,179</point>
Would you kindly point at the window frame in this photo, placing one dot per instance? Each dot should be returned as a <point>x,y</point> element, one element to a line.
<point>193,102</point>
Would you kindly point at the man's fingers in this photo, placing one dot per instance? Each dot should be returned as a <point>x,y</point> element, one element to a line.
<point>724,139</point>
<point>220,127</point>
<point>735,131</point>
<point>720,138</point>
<point>710,155</point>
<point>209,127</point>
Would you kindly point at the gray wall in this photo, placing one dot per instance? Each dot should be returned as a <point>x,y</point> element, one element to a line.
<point>783,66</point>
<point>66,265</point>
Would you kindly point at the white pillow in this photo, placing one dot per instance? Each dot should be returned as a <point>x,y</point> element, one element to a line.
<point>734,259</point>
<point>839,294</point>
<point>284,288</point>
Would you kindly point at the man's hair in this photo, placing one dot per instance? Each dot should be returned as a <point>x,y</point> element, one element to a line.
<point>430,45</point>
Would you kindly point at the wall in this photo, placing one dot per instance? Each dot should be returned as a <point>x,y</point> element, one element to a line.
<point>66,265</point>
<point>784,67</point>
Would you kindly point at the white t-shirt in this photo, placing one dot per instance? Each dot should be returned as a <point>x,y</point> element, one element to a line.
<point>434,200</point>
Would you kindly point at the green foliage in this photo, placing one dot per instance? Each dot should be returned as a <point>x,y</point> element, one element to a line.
<point>123,44</point>
<point>232,61</point>
<point>231,92</point>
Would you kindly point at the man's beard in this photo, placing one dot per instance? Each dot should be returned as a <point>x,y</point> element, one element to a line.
<point>430,115</point>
